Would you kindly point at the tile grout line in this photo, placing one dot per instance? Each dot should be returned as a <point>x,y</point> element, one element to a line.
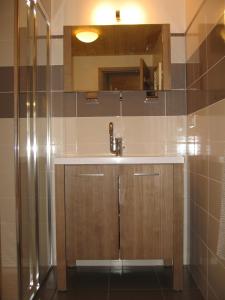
<point>108,288</point>
<point>161,288</point>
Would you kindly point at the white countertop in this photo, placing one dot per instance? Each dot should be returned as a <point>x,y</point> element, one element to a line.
<point>113,160</point>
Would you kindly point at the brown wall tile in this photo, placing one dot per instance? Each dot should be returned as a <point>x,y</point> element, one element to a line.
<point>176,103</point>
<point>178,75</point>
<point>216,275</point>
<point>216,83</point>
<point>41,104</point>
<point>211,294</point>
<point>41,78</point>
<point>197,96</point>
<point>216,43</point>
<point>25,78</point>
<point>134,104</point>
<point>57,76</point>
<point>106,104</point>
<point>196,65</point>
<point>63,104</point>
<point>6,105</point>
<point>6,79</point>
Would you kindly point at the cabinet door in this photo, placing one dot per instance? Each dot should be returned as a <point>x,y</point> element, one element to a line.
<point>146,211</point>
<point>91,213</point>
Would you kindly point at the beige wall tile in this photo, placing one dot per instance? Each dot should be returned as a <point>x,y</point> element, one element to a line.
<point>8,210</point>
<point>7,184</point>
<point>7,131</point>
<point>216,198</point>
<point>217,160</point>
<point>198,141</point>
<point>176,128</point>
<point>9,284</point>
<point>216,114</point>
<point>145,149</point>
<point>8,245</point>
<point>7,158</point>
<point>144,129</point>
<point>92,149</point>
<point>178,50</point>
<point>57,51</point>
<point>201,224</point>
<point>141,135</point>
<point>96,130</point>
<point>70,131</point>
<point>57,130</point>
<point>202,191</point>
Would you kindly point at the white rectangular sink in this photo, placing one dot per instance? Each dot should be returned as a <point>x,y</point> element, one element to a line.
<point>113,160</point>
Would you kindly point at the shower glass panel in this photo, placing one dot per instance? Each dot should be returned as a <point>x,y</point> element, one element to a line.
<point>33,147</point>
<point>28,241</point>
<point>42,136</point>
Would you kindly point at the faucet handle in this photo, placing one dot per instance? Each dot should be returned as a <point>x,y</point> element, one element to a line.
<point>111,128</point>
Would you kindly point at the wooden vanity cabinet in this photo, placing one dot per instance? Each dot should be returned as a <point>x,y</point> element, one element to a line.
<point>91,198</point>
<point>146,211</point>
<point>119,211</point>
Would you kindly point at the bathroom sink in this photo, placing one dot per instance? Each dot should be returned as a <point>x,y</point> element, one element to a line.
<point>111,159</point>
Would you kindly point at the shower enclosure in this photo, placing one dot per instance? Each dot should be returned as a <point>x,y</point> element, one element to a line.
<point>32,159</point>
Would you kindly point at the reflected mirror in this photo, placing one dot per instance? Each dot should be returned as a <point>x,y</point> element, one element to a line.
<point>117,57</point>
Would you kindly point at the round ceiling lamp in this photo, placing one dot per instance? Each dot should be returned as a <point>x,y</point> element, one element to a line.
<point>87,36</point>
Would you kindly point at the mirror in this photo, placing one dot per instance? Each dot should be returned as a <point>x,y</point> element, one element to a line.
<point>120,57</point>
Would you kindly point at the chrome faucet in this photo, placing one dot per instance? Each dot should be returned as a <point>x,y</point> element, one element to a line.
<point>116,146</point>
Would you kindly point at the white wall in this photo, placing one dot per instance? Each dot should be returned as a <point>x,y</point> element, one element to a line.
<point>77,12</point>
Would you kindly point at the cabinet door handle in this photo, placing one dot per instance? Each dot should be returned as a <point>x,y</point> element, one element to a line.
<point>146,174</point>
<point>91,175</point>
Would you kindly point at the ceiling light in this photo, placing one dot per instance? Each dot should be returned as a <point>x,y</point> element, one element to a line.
<point>87,36</point>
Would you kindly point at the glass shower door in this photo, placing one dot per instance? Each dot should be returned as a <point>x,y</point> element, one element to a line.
<point>28,228</point>
<point>34,150</point>
<point>42,135</point>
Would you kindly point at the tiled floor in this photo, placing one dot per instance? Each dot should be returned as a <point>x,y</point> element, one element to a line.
<point>128,284</point>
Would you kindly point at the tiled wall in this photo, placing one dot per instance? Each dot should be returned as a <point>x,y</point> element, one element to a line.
<point>206,146</point>
<point>7,187</point>
<point>156,128</point>
<point>151,132</point>
<point>8,238</point>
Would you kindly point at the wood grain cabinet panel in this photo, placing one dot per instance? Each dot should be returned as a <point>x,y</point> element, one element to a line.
<point>106,212</point>
<point>91,213</point>
<point>146,211</point>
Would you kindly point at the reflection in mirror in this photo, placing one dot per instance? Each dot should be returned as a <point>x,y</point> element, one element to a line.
<point>120,57</point>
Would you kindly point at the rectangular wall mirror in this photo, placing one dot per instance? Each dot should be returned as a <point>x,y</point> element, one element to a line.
<point>121,57</point>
